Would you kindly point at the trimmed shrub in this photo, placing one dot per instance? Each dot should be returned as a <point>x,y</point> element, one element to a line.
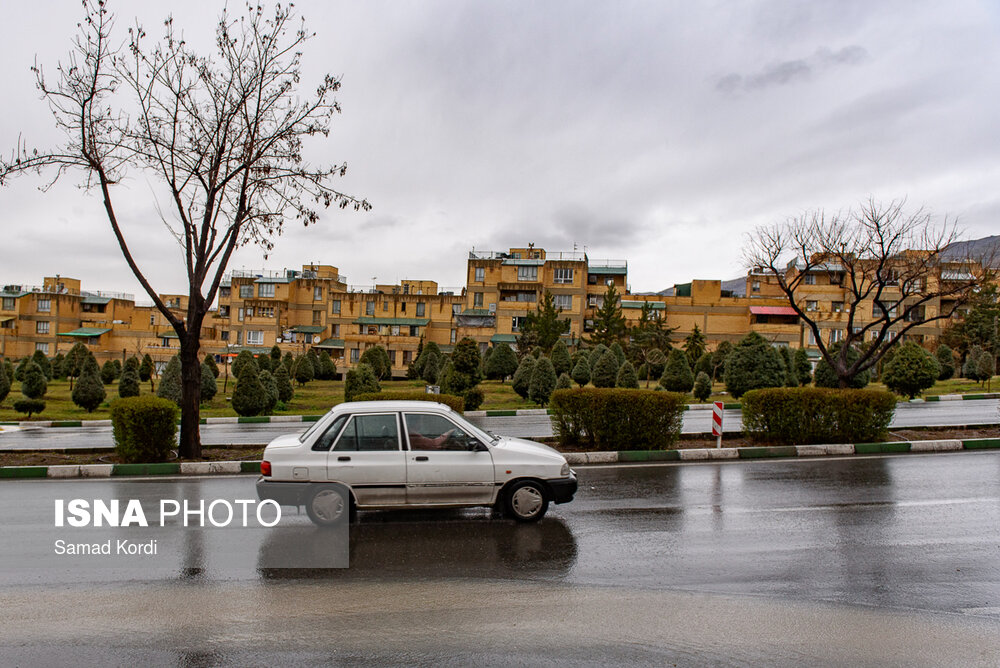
<point>134,363</point>
<point>466,365</point>
<point>34,385</point>
<point>327,369</point>
<point>979,365</point>
<point>825,376</point>
<point>249,397</point>
<point>474,398</point>
<point>209,361</point>
<point>89,392</point>
<point>146,368</point>
<point>581,372</point>
<point>703,365</point>
<point>522,377</point>
<point>946,359</point>
<point>787,416</point>
<point>59,366</point>
<point>564,382</point>
<point>171,386</point>
<point>619,352</point>
<point>21,368</point>
<point>617,419</point>
<point>788,359</point>
<point>702,386</point>
<point>118,368</point>
<point>242,359</point>
<point>144,428</point>
<point>456,403</point>
<point>378,359</point>
<point>677,375</point>
<point>502,363</point>
<point>128,386</point>
<point>911,371</point>
<point>208,385</point>
<point>29,406</point>
<point>275,355</point>
<point>543,381</point>
<point>270,386</point>
<point>263,363</point>
<point>285,389</point>
<point>304,371</point>
<point>108,374</point>
<point>360,380</point>
<point>604,373</point>
<point>561,361</point>
<point>8,370</point>
<point>627,377</point>
<point>431,369</point>
<point>753,363</point>
<point>313,358</point>
<point>803,367</point>
<point>43,363</point>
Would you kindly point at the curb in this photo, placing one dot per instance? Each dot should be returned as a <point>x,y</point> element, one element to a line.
<point>574,458</point>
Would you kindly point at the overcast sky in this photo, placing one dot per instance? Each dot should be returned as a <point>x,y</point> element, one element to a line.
<point>657,132</point>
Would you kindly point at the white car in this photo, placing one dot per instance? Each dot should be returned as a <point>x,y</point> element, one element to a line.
<point>410,454</point>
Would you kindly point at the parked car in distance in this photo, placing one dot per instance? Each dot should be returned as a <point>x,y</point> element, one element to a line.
<point>410,454</point>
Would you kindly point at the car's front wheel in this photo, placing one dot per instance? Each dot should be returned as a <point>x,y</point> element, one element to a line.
<point>327,506</point>
<point>526,501</point>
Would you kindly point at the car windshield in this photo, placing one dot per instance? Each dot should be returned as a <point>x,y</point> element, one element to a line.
<point>308,432</point>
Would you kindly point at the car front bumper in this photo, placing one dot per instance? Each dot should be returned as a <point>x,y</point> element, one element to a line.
<point>563,489</point>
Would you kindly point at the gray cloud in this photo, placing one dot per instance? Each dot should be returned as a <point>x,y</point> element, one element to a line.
<point>792,71</point>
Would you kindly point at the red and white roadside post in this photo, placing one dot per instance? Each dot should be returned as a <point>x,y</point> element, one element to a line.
<point>717,423</point>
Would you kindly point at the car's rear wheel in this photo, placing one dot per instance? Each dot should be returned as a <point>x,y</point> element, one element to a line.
<point>327,506</point>
<point>526,501</point>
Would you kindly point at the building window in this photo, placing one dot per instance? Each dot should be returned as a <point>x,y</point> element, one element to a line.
<point>754,286</point>
<point>355,355</point>
<point>564,302</point>
<point>889,310</point>
<point>407,357</point>
<point>317,294</point>
<point>225,292</point>
<point>385,305</point>
<point>42,327</point>
<point>265,311</point>
<point>402,307</point>
<point>454,335</point>
<point>317,317</point>
<point>837,307</point>
<point>527,273</point>
<point>414,330</point>
<point>8,303</point>
<point>224,334</point>
<point>265,290</point>
<point>477,299</point>
<point>394,330</point>
<point>165,342</point>
<point>44,347</point>
<point>456,309</point>
<point>152,318</point>
<point>335,306</point>
<point>812,305</point>
<point>812,338</point>
<point>810,279</point>
<point>255,338</point>
<point>420,309</point>
<point>44,304</point>
<point>562,275</point>
<point>836,335</point>
<point>392,357</point>
<point>369,308</point>
<point>246,292</point>
<point>516,322</point>
<point>480,274</point>
<point>240,314</point>
<point>309,338</point>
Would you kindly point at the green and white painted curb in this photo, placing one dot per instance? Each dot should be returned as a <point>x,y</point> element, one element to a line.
<point>574,458</point>
<point>958,397</point>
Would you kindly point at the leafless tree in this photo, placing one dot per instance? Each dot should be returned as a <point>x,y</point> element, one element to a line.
<point>222,133</point>
<point>895,270</point>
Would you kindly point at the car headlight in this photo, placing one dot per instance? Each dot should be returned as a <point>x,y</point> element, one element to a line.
<point>564,471</point>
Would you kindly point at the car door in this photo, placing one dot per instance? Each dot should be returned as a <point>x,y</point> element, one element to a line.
<point>367,455</point>
<point>440,467</point>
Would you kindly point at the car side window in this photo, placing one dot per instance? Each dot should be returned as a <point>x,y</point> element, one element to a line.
<point>370,433</point>
<point>434,432</point>
<point>324,442</point>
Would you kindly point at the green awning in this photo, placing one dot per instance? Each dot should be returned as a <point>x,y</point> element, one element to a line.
<point>607,271</point>
<point>169,335</point>
<point>12,294</point>
<point>330,343</point>
<point>94,299</point>
<point>657,306</point>
<point>420,322</point>
<point>87,331</point>
<point>308,329</point>
<point>503,338</point>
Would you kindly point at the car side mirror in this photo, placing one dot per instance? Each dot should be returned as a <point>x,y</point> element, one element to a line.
<point>476,446</point>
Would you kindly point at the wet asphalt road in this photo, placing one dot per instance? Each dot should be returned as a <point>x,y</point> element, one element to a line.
<point>980,411</point>
<point>849,561</point>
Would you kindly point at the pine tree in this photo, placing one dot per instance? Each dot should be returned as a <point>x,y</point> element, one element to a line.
<point>694,345</point>
<point>702,386</point>
<point>581,372</point>
<point>979,365</point>
<point>360,380</point>
<point>271,394</point>
<point>946,359</point>
<point>43,363</point>
<point>803,368</point>
<point>522,377</point>
<point>245,357</point>
<point>108,373</point>
<point>752,364</point>
<point>560,358</point>
<point>209,387</point>
<point>284,383</point>
<point>170,381</point>
<point>609,323</point>
<point>604,373</point>
<point>209,361</point>
<point>543,327</point>
<point>89,391</point>
<point>327,369</point>
<point>543,381</point>
<point>128,386</point>
<point>627,377</point>
<point>564,382</point>
<point>4,384</point>
<point>502,363</point>
<point>249,396</point>
<point>34,385</point>
<point>677,375</point>
<point>911,371</point>
<point>304,371</point>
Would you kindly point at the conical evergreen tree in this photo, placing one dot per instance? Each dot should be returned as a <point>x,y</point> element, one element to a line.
<point>284,383</point>
<point>170,382</point>
<point>128,386</point>
<point>89,391</point>
<point>543,381</point>
<point>627,377</point>
<point>581,372</point>
<point>209,388</point>
<point>249,397</point>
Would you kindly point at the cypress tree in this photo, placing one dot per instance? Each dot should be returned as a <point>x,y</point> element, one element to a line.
<point>4,384</point>
<point>128,386</point>
<point>378,359</point>
<point>703,365</point>
<point>118,368</point>
<point>616,348</point>
<point>466,363</point>
<point>34,384</point>
<point>170,383</point>
<point>522,377</point>
<point>564,382</point>
<point>58,367</point>
<point>502,363</point>
<point>327,369</point>
<point>803,368</point>
<point>788,359</point>
<point>431,368</point>
<point>543,381</point>
<point>210,362</point>
<point>284,383</point>
<point>911,371</point>
<point>752,364</point>
<point>288,360</point>
<point>108,373</point>
<point>270,386</point>
<point>314,360</point>
<point>249,396</point>
<point>209,388</point>
<point>89,391</point>
<point>146,368</point>
<point>581,372</point>
<point>242,359</point>
<point>604,372</point>
<point>275,355</point>
<point>43,363</point>
<point>360,380</point>
<point>702,386</point>
<point>263,363</point>
<point>627,378</point>
<point>677,375</point>
<point>22,366</point>
<point>560,358</point>
<point>304,371</point>
<point>8,370</point>
<point>945,358</point>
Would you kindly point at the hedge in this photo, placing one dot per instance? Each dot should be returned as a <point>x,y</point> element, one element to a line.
<point>144,428</point>
<point>455,403</point>
<point>816,415</point>
<point>617,419</point>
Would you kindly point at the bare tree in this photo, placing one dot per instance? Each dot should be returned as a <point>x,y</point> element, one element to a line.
<point>224,135</point>
<point>894,271</point>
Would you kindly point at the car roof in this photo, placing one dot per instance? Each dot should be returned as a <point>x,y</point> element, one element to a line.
<point>382,406</point>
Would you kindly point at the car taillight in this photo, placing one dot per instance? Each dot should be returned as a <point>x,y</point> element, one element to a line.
<point>265,468</point>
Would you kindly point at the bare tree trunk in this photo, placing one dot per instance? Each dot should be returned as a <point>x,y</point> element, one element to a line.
<point>190,443</point>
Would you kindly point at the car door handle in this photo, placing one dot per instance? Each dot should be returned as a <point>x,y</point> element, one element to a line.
<point>420,459</point>
<point>343,459</point>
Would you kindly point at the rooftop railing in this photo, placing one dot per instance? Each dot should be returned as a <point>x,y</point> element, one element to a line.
<point>607,264</point>
<point>504,255</point>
